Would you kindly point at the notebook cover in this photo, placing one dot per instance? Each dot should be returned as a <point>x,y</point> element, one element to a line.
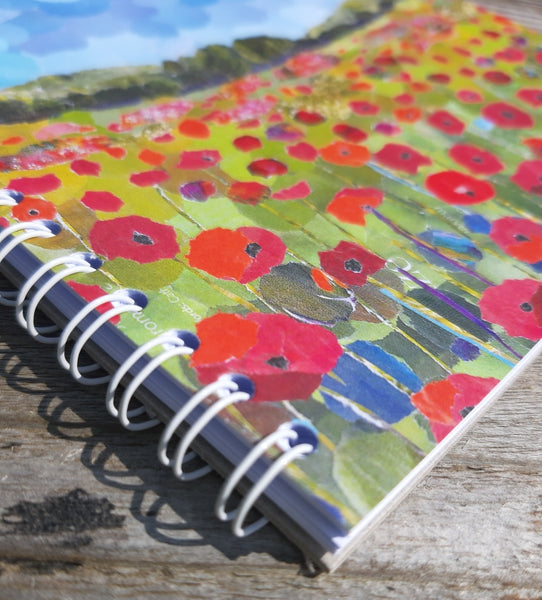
<point>356,228</point>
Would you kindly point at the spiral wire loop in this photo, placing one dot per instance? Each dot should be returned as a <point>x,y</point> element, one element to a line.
<point>80,262</point>
<point>230,389</point>
<point>299,446</point>
<point>30,229</point>
<point>175,343</point>
<point>123,301</point>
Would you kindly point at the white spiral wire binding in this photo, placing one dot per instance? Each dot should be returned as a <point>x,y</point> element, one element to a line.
<point>174,345</point>
<point>286,433</point>
<point>125,303</point>
<point>31,229</point>
<point>10,197</point>
<point>80,262</point>
<point>229,391</point>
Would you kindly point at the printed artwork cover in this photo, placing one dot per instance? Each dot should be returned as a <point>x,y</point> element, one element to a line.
<point>353,221</point>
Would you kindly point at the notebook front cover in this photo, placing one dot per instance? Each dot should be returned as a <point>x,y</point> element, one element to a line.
<point>355,226</point>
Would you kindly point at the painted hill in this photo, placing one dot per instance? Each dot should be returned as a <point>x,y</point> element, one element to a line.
<point>52,95</point>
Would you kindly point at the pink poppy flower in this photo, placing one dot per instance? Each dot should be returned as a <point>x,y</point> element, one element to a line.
<point>446,402</point>
<point>476,160</point>
<point>528,176</point>
<point>135,238</point>
<point>284,358</point>
<point>401,158</point>
<point>520,238</point>
<point>516,305</point>
<point>507,116</point>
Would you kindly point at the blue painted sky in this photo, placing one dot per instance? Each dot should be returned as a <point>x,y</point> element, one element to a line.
<point>44,37</point>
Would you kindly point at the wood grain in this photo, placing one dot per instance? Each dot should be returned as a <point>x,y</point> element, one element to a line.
<point>472,529</point>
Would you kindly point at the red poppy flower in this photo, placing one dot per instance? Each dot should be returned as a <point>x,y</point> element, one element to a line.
<point>285,362</point>
<point>520,238</point>
<point>402,158</point>
<point>90,293</point>
<point>199,159</point>
<point>297,191</point>
<point>404,99</point>
<point>14,140</point>
<point>309,118</point>
<point>441,78</point>
<point>116,152</point>
<point>247,192</point>
<point>467,72</point>
<point>247,143</point>
<point>243,254</point>
<point>284,132</point>
<point>454,187</point>
<point>446,402</point>
<point>497,77</point>
<point>469,96</point>
<point>349,205</point>
<point>476,160</point>
<point>249,124</point>
<point>446,122</point>
<point>409,114</point>
<point>237,337</point>
<point>151,158</point>
<point>535,146</point>
<point>511,55</point>
<point>532,96</point>
<point>349,133</point>
<point>31,209</point>
<point>462,51</point>
<point>267,167</point>
<point>363,108</point>
<point>350,263</point>
<point>420,87</point>
<point>528,176</point>
<point>194,129</point>
<point>104,201</point>
<point>507,116</point>
<point>197,191</point>
<point>35,185</point>
<point>361,86</point>
<point>148,178</point>
<point>388,129</point>
<point>164,138</point>
<point>516,305</point>
<point>344,153</point>
<point>385,61</point>
<point>86,167</point>
<point>306,64</point>
<point>135,238</point>
<point>491,34</point>
<point>302,151</point>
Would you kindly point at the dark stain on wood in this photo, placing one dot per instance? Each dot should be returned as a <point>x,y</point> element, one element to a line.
<point>76,511</point>
<point>42,567</point>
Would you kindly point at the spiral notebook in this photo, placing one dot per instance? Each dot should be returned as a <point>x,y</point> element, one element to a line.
<point>316,276</point>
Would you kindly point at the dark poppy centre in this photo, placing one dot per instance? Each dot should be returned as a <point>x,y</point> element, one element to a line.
<point>253,249</point>
<point>353,265</point>
<point>279,362</point>
<point>142,238</point>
